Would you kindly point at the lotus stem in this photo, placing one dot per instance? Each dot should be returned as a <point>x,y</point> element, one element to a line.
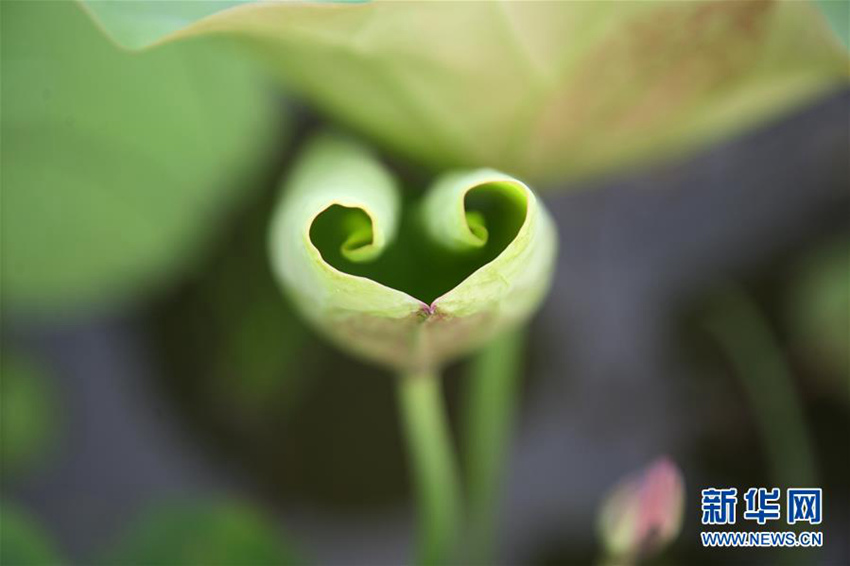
<point>490,406</point>
<point>432,461</point>
<point>745,337</point>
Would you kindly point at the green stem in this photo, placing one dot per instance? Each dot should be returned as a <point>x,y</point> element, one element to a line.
<point>491,400</point>
<point>433,464</point>
<point>747,340</point>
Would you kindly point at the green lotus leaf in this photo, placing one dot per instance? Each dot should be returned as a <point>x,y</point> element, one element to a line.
<point>408,284</point>
<point>215,532</point>
<point>547,91</point>
<point>23,541</point>
<point>28,413</point>
<point>819,311</point>
<point>117,167</point>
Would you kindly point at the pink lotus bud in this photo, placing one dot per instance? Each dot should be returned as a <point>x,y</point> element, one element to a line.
<point>643,513</point>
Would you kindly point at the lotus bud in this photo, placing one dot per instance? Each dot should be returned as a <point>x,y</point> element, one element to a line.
<point>643,513</point>
<point>408,287</point>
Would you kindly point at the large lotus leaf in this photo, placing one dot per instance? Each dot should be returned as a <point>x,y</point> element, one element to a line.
<point>116,166</point>
<point>23,542</point>
<point>28,413</point>
<point>547,91</point>
<point>213,533</point>
<point>409,285</point>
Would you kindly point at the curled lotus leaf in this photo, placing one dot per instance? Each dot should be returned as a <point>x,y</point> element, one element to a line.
<point>409,284</point>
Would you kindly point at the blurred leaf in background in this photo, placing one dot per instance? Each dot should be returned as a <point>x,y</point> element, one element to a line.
<point>819,312</point>
<point>837,13</point>
<point>231,329</point>
<point>258,386</point>
<point>117,166</point>
<point>212,533</point>
<point>28,412</point>
<point>547,91</point>
<point>22,540</point>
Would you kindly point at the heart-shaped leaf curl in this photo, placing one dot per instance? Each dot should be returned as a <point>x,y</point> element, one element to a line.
<point>409,287</point>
